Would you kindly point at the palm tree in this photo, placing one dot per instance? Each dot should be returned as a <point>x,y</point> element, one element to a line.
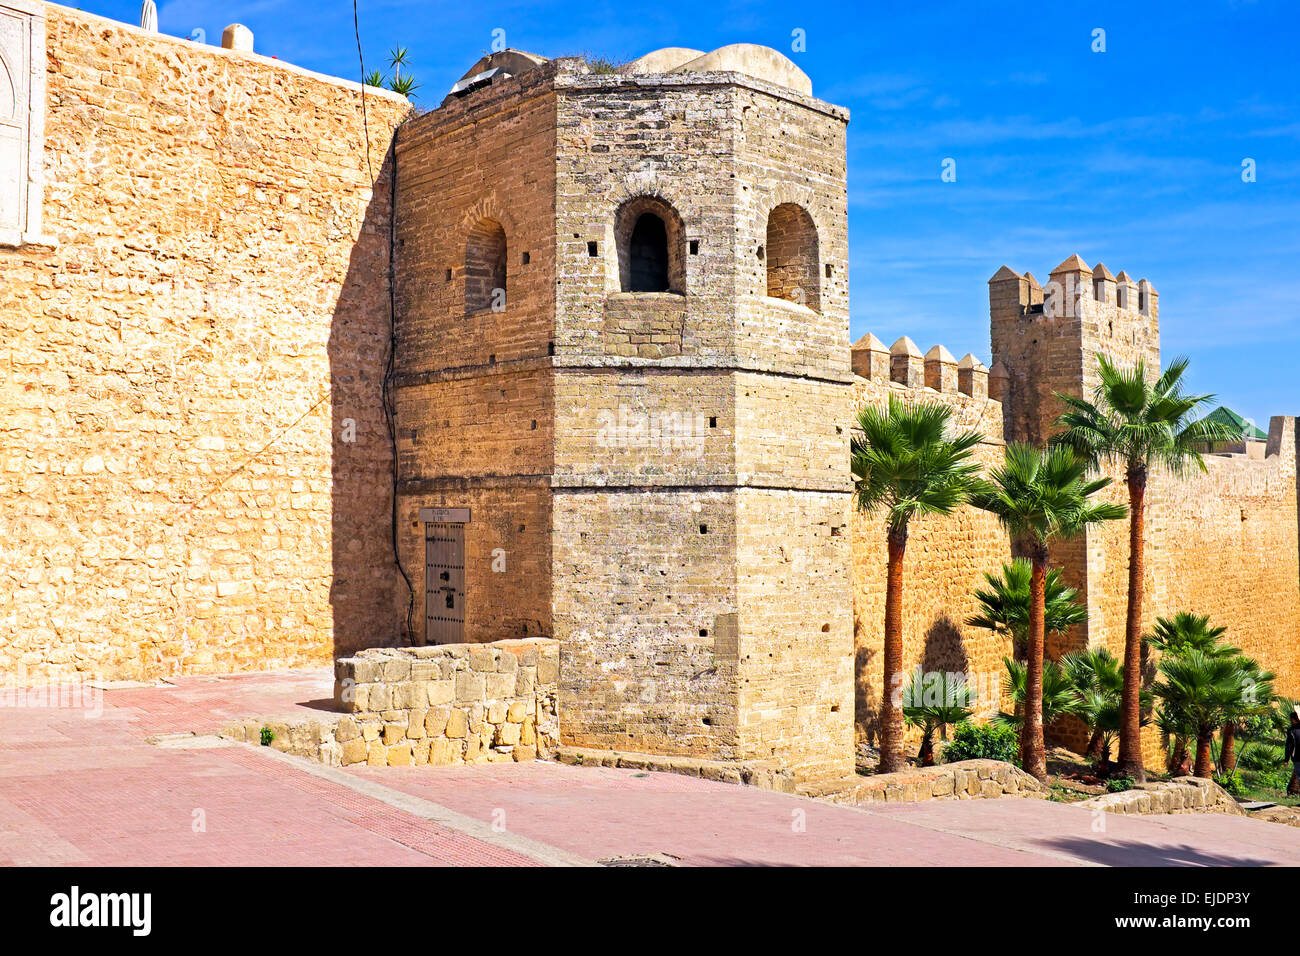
<point>1098,678</point>
<point>397,60</point>
<point>932,704</point>
<point>1257,698</point>
<point>1040,497</point>
<point>906,466</point>
<point>1200,689</point>
<point>1059,696</point>
<point>1140,425</point>
<point>1172,635</point>
<point>1175,728</point>
<point>1004,605</point>
<point>405,85</point>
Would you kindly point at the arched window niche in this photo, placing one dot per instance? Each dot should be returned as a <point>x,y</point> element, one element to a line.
<point>485,267</point>
<point>650,239</point>
<point>791,254</point>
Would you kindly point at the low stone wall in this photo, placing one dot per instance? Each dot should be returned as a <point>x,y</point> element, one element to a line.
<point>1180,795</point>
<point>449,703</point>
<point>760,775</point>
<point>963,780</point>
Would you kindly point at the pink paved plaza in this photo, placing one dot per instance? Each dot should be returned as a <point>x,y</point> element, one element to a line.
<point>85,787</point>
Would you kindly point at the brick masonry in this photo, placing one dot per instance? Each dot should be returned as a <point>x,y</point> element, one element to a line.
<point>196,465</point>
<point>447,704</point>
<point>193,458</point>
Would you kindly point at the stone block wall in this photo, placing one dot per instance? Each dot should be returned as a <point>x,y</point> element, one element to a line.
<point>700,582</point>
<point>194,464</point>
<point>448,704</point>
<point>945,560</point>
<point>1220,542</point>
<point>962,780</point>
<point>1180,795</point>
<point>474,377</point>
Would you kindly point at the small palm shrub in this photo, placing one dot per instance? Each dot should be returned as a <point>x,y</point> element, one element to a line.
<point>1116,784</point>
<point>1058,694</point>
<point>933,702</point>
<point>1257,755</point>
<point>992,741</point>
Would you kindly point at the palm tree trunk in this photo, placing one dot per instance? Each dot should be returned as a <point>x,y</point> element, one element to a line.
<point>1130,728</point>
<point>1178,764</point>
<point>1033,756</point>
<point>891,711</point>
<point>926,757</point>
<point>1228,747</point>
<point>1204,763</point>
<point>1093,750</point>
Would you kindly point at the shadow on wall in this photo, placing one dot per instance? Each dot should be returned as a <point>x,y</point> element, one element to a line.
<point>368,596</point>
<point>943,652</point>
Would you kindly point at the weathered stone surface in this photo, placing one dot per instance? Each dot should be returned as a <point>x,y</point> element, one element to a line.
<point>457,724</point>
<point>1180,795</point>
<point>171,333</point>
<point>967,779</point>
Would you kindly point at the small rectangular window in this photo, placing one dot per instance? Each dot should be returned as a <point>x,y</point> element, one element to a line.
<point>695,247</point>
<point>448,275</point>
<point>591,249</point>
<point>527,257</point>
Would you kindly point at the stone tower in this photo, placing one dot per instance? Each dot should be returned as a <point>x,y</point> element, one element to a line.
<point>1046,340</point>
<point>621,386</point>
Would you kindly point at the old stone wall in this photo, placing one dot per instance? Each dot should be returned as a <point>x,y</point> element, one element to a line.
<point>962,780</point>
<point>474,379</point>
<point>946,556</point>
<point>1220,542</point>
<point>447,704</point>
<point>1180,795</point>
<point>194,466</point>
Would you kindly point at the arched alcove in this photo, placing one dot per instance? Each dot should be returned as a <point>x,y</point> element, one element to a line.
<point>650,239</point>
<point>485,266</point>
<point>791,254</point>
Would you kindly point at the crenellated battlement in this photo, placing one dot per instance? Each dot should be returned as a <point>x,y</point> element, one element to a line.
<point>1074,289</point>
<point>904,364</point>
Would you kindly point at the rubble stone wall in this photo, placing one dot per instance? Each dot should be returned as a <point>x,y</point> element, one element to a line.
<point>448,704</point>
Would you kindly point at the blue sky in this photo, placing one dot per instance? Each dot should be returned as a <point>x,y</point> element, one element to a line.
<point>1132,156</point>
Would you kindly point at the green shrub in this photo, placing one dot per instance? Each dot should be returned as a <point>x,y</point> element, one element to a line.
<point>992,741</point>
<point>1272,778</point>
<point>1231,782</point>
<point>267,736</point>
<point>1259,756</point>
<point>1116,784</point>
